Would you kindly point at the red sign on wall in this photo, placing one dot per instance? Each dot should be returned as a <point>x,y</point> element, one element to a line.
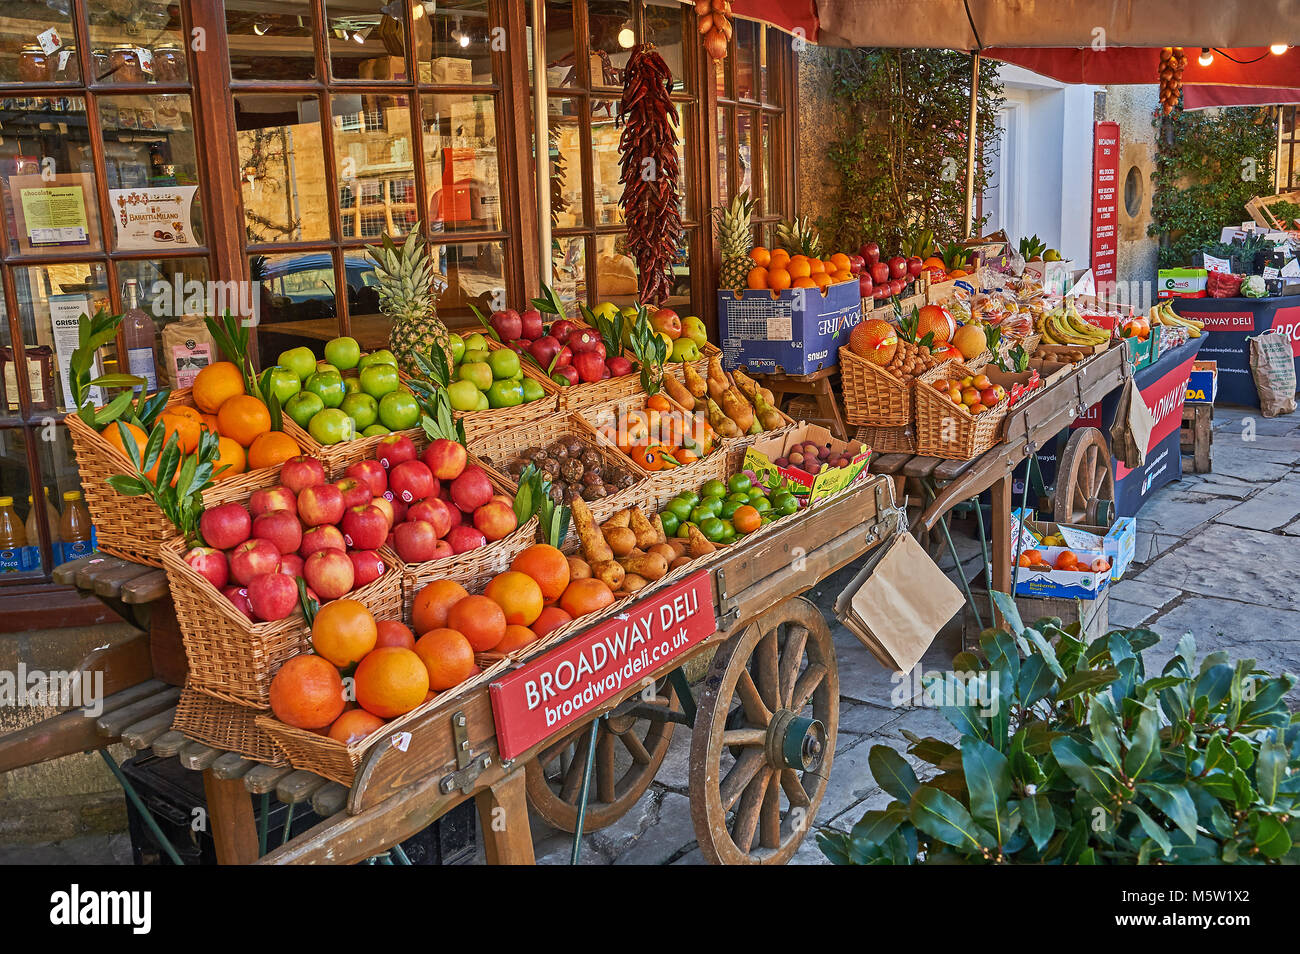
<point>1105,203</point>
<point>559,688</point>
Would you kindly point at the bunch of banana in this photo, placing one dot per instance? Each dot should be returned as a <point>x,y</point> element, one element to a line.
<point>1066,327</point>
<point>1164,314</point>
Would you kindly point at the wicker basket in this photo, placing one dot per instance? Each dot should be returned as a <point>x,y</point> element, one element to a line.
<point>133,528</point>
<point>493,557</point>
<point>874,396</point>
<point>949,432</point>
<point>226,726</point>
<point>478,423</point>
<point>233,658</point>
<point>899,439</point>
<point>503,447</point>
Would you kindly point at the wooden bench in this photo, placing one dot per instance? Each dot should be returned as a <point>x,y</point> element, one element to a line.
<point>1196,437</point>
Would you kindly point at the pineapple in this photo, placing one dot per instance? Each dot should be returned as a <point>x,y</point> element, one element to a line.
<point>799,238</point>
<point>735,241</point>
<point>408,286</point>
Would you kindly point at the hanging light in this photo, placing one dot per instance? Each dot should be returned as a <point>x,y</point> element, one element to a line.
<point>1206,57</point>
<point>464,39</point>
<point>626,38</point>
<point>1277,49</point>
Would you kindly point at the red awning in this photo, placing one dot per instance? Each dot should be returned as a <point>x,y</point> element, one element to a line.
<point>793,16</point>
<point>1208,97</point>
<point>1118,65</point>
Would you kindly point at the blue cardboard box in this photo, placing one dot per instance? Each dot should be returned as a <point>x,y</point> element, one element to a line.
<point>1203,384</point>
<point>796,331</point>
<point>1062,584</point>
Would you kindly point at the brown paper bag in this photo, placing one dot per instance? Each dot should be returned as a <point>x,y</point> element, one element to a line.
<point>187,348</point>
<point>1272,365</point>
<point>1131,431</point>
<point>898,605</point>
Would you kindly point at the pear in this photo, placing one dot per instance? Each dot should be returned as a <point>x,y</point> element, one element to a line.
<point>768,416</point>
<point>737,408</point>
<point>694,383</point>
<point>721,423</point>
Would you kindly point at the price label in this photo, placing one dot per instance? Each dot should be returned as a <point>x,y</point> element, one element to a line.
<point>49,40</point>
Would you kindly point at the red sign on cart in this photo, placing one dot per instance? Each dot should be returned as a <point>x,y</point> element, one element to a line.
<point>561,687</point>
<point>1105,203</point>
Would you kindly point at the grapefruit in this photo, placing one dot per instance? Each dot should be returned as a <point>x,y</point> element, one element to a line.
<point>874,339</point>
<point>936,320</point>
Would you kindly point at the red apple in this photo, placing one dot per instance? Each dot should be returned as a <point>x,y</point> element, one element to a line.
<point>386,506</point>
<point>471,489</point>
<point>371,473</point>
<point>590,366</point>
<point>897,267</point>
<point>561,329</point>
<point>281,528</point>
<point>291,564</point>
<point>914,266</point>
<point>667,321</point>
<point>355,492</point>
<point>225,526</point>
<point>435,511</point>
<point>506,324</point>
<point>399,507</point>
<point>865,285</point>
<point>299,473</point>
<point>329,573</point>
<point>393,450</point>
<point>582,340</point>
<point>856,264</point>
<point>544,350</point>
<point>896,286</point>
<point>320,504</point>
<point>619,366</point>
<point>328,537</point>
<point>870,252</point>
<point>415,541</point>
<point>210,564</point>
<point>367,566</point>
<point>238,595</point>
<point>495,519</point>
<point>530,324</point>
<point>569,372</point>
<point>272,596</point>
<point>462,539</point>
<point>443,550</point>
<point>253,558</point>
<point>988,397</point>
<point>445,458</point>
<point>879,273</point>
<point>411,481</point>
<point>273,498</point>
<point>365,527</point>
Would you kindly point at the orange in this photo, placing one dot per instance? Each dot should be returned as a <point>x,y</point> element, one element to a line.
<point>433,602</point>
<point>230,460</point>
<point>344,632</point>
<point>185,428</point>
<point>517,594</point>
<point>391,681</point>
<point>746,519</point>
<point>517,637</point>
<point>657,402</point>
<point>840,275</point>
<point>481,620</point>
<point>184,410</point>
<point>934,262</point>
<point>821,279</point>
<point>757,278</point>
<point>448,658</point>
<point>307,692</point>
<point>552,618</point>
<point>761,256</point>
<point>547,565</point>
<point>840,261</point>
<point>957,273</point>
<point>799,267</point>
<point>216,384</point>
<point>389,632</point>
<point>1033,556</point>
<point>586,596</point>
<point>804,282</point>
<point>778,279</point>
<point>779,258</point>
<point>816,266</point>
<point>354,725</point>
<point>113,435</point>
<point>271,450</point>
<point>209,422</point>
<point>1066,560</point>
<point>245,418</point>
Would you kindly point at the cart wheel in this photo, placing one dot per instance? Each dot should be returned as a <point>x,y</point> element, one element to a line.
<point>631,743</point>
<point>780,674</point>
<point>1085,482</point>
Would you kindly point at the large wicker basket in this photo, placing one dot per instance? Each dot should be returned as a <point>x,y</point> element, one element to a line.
<point>133,528</point>
<point>874,396</point>
<point>899,439</point>
<point>226,726</point>
<point>950,432</point>
<point>233,658</point>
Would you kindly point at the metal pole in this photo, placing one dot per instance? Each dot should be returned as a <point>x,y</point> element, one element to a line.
<point>145,815</point>
<point>971,131</point>
<point>542,140</point>
<point>576,853</point>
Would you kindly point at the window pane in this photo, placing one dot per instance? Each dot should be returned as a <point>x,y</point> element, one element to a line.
<point>724,152</point>
<point>59,469</point>
<point>611,40</point>
<point>461,160</point>
<point>561,68</point>
<point>268,45</point>
<point>605,170</point>
<point>453,40</point>
<point>19,555</point>
<point>720,76</point>
<point>664,25</point>
<point>364,42</point>
<point>372,150</point>
<point>746,35</point>
<point>50,300</point>
<point>175,294</point>
<point>681,287</point>
<point>58,215</point>
<point>569,270</point>
<point>744,151</point>
<point>475,272</point>
<point>771,201</point>
<point>152,167</point>
<point>22,59</point>
<point>567,159</point>
<point>282,165</point>
<point>616,274</point>
<point>296,299</point>
<point>142,40</point>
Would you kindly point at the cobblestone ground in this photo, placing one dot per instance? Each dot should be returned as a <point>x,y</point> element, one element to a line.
<point>1209,548</point>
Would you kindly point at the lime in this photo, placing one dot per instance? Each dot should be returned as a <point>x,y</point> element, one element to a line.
<point>670,522</point>
<point>694,498</point>
<point>784,504</point>
<point>739,483</point>
<point>763,505</point>
<point>374,429</point>
<point>738,497</point>
<point>714,488</point>
<point>713,529</point>
<point>729,508</point>
<point>756,493</point>
<point>680,508</point>
<point>684,529</point>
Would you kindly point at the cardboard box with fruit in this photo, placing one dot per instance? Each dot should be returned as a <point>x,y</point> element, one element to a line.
<point>1062,572</point>
<point>1118,541</point>
<point>811,460</point>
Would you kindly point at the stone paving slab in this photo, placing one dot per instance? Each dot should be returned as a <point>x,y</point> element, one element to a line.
<point>1144,594</point>
<point>1127,615</point>
<point>1271,508</point>
<point>1229,562</point>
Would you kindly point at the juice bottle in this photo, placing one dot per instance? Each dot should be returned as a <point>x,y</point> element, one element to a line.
<point>74,527</point>
<point>140,334</point>
<point>34,533</point>
<point>12,538</point>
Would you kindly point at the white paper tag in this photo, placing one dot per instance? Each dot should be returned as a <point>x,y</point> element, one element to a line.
<point>1216,264</point>
<point>1291,269</point>
<point>1272,272</point>
<point>146,60</point>
<point>1077,539</point>
<point>401,740</point>
<point>49,40</point>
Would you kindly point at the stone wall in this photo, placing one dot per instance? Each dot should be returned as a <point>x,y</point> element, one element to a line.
<point>1132,108</point>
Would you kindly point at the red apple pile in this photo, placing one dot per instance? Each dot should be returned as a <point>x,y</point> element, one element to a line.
<point>880,280</point>
<point>578,352</point>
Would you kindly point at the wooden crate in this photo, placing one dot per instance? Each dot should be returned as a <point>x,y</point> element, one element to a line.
<point>1197,436</point>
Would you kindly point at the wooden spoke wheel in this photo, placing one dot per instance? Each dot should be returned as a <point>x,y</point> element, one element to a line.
<point>772,695</point>
<point>631,743</point>
<point>1085,481</point>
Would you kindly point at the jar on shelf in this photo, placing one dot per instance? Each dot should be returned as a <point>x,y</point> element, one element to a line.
<point>168,63</point>
<point>99,66</point>
<point>124,65</point>
<point>64,67</point>
<point>33,65</point>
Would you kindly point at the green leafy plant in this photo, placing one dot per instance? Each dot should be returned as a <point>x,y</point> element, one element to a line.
<point>437,418</point>
<point>549,303</point>
<point>534,498</point>
<point>1071,753</point>
<point>613,331</point>
<point>651,352</point>
<point>231,335</point>
<point>180,499</point>
<point>93,334</point>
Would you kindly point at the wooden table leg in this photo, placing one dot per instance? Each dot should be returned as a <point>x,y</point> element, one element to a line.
<point>503,818</point>
<point>1001,522</point>
<point>230,815</point>
<point>829,408</point>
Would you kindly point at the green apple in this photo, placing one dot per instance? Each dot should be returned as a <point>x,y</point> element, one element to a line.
<point>303,406</point>
<point>479,372</point>
<point>504,363</point>
<point>375,429</point>
<point>476,342</point>
<point>285,383</point>
<point>343,353</point>
<point>532,390</point>
<point>482,404</point>
<point>457,346</point>
<point>300,360</point>
<point>382,356</point>
<point>505,394</point>
<point>694,329</point>
<point>380,379</point>
<point>398,411</point>
<point>684,349</point>
<point>463,395</point>
<point>474,355</point>
<point>362,408</point>
<point>328,386</point>
<point>331,426</point>
<point>351,386</point>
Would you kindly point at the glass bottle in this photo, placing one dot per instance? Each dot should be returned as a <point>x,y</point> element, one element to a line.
<point>141,336</point>
<point>34,531</point>
<point>74,527</point>
<point>13,538</point>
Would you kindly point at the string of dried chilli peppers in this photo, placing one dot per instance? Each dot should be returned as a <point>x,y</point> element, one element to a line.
<point>649,171</point>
